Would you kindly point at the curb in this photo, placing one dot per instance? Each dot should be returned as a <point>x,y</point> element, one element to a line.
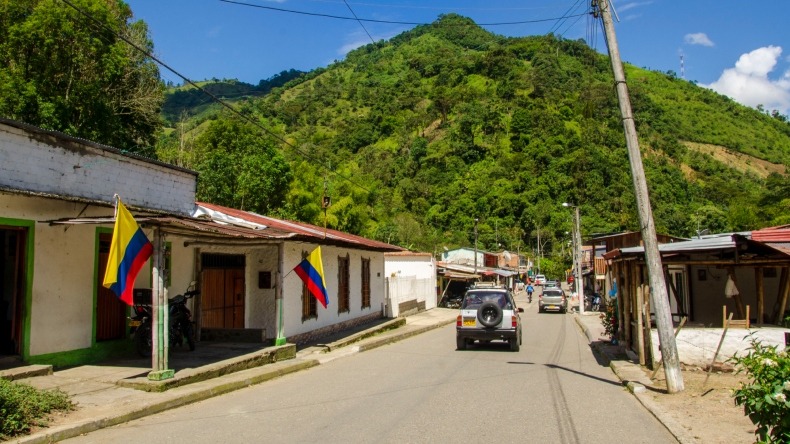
<point>639,390</point>
<point>182,395</point>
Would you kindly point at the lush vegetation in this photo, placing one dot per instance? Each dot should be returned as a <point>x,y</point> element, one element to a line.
<point>59,70</point>
<point>187,101</point>
<point>23,407</point>
<point>416,137</point>
<point>766,396</point>
<point>412,138</point>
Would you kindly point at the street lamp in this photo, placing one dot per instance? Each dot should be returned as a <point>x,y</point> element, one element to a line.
<point>577,257</point>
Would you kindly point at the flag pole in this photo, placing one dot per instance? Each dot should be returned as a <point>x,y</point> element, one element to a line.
<point>278,298</point>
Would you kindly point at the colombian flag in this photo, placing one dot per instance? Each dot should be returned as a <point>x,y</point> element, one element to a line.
<point>311,270</point>
<point>128,252</point>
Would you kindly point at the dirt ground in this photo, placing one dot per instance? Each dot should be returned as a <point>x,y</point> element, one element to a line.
<point>706,410</point>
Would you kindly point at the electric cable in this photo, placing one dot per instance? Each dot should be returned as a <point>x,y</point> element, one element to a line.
<point>392,22</point>
<point>215,98</point>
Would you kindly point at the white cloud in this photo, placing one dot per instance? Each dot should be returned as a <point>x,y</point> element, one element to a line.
<point>749,84</point>
<point>632,5</point>
<point>699,38</point>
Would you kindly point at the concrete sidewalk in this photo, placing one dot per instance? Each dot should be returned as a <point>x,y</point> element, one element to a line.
<point>629,372</point>
<point>118,392</point>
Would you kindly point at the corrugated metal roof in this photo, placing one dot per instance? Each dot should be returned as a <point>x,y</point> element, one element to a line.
<point>715,242</point>
<point>306,232</point>
<point>407,254</point>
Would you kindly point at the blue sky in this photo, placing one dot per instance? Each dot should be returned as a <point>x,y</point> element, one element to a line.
<point>741,49</point>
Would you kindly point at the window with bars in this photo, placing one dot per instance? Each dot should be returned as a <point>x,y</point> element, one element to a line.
<point>343,278</point>
<point>365,282</point>
<point>309,302</point>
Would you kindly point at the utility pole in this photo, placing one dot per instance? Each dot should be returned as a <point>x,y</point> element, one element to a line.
<point>475,246</point>
<point>658,288</point>
<point>538,250</point>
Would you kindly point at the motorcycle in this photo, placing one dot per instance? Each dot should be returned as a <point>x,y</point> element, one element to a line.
<point>593,303</point>
<point>180,328</point>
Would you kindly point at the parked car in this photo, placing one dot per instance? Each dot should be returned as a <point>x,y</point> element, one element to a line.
<point>540,279</point>
<point>487,314</point>
<point>552,299</point>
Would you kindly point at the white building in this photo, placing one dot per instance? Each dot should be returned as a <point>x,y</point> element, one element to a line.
<point>411,282</point>
<point>56,218</point>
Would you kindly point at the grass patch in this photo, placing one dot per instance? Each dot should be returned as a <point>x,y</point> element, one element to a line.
<point>23,407</point>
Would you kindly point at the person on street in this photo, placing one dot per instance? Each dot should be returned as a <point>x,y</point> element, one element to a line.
<point>529,292</point>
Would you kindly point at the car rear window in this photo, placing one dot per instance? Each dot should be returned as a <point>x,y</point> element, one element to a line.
<point>475,299</point>
<point>553,293</point>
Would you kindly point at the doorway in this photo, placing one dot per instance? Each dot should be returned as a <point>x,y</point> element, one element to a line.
<point>222,291</point>
<point>110,310</point>
<point>13,281</point>
<point>678,293</point>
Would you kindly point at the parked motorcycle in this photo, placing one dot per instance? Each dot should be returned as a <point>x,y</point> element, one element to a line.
<point>592,302</point>
<point>180,328</point>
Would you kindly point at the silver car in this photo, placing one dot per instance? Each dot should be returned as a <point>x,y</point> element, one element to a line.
<point>488,314</point>
<point>552,299</point>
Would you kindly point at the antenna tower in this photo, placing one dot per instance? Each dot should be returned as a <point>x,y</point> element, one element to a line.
<point>682,69</point>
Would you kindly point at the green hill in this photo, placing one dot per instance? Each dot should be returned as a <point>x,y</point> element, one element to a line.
<point>186,101</point>
<point>416,137</point>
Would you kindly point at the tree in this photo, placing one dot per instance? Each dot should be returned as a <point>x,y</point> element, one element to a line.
<point>60,70</point>
<point>240,168</point>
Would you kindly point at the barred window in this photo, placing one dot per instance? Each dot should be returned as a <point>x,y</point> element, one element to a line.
<point>309,307</point>
<point>365,283</point>
<point>343,278</point>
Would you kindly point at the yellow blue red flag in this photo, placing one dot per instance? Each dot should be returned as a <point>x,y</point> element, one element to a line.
<point>129,251</point>
<point>311,271</point>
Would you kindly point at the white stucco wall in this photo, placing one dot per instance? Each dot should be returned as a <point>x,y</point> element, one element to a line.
<point>292,287</point>
<point>64,260</point>
<point>37,161</point>
<point>259,304</point>
<point>410,277</point>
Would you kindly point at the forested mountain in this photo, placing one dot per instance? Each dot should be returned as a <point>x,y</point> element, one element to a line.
<point>416,137</point>
<point>188,102</point>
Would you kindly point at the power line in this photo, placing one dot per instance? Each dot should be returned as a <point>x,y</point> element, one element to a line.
<point>213,97</point>
<point>391,22</point>
<point>567,15</point>
<point>360,22</point>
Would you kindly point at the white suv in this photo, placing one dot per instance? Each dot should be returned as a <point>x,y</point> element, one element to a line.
<point>488,314</point>
<point>540,279</point>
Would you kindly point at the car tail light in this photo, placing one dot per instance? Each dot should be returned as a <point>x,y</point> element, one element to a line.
<point>513,322</point>
<point>458,321</point>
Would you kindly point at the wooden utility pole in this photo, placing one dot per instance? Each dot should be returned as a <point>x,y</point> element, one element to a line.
<point>669,352</point>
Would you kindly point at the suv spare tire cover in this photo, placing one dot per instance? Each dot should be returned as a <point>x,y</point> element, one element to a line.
<point>489,314</point>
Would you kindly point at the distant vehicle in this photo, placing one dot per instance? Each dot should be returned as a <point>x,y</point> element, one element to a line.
<point>552,299</point>
<point>488,314</point>
<point>551,284</point>
<point>540,279</point>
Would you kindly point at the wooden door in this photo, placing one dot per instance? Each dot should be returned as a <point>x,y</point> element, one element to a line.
<point>110,310</point>
<point>12,288</point>
<point>222,293</point>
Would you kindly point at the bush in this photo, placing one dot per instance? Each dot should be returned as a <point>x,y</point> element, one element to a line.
<point>22,407</point>
<point>766,397</point>
<point>609,319</point>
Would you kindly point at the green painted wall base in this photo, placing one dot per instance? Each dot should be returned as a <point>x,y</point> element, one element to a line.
<point>160,375</point>
<point>98,352</point>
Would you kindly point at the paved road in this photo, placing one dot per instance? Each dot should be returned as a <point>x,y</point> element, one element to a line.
<point>423,390</point>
